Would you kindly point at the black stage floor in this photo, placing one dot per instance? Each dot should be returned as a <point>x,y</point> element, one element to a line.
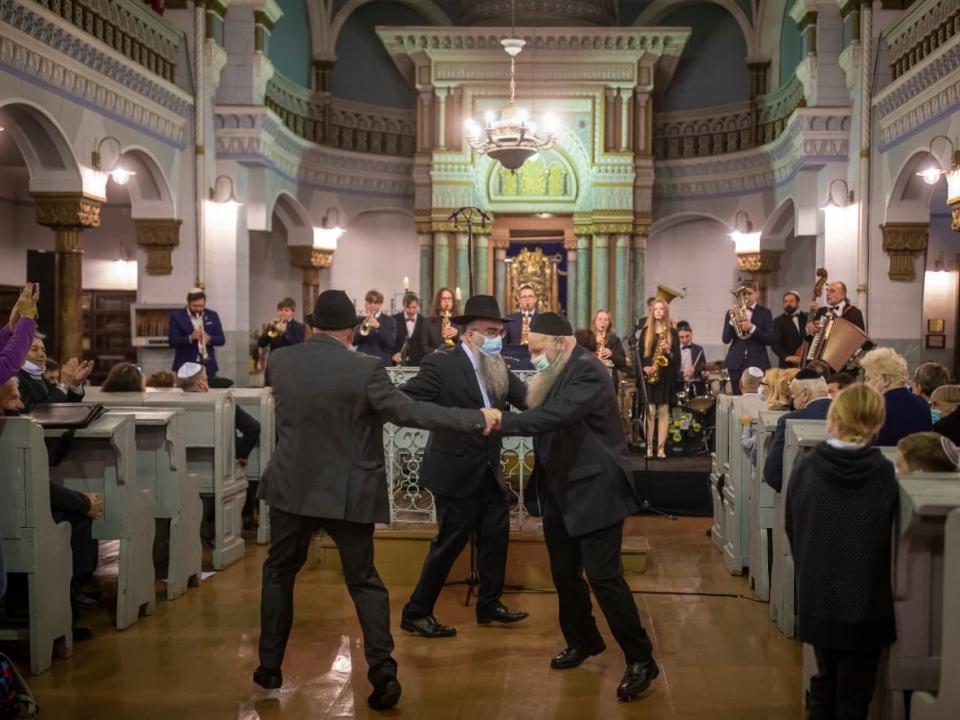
<point>677,485</point>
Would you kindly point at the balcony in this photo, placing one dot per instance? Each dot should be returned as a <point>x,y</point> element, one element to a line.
<point>922,29</point>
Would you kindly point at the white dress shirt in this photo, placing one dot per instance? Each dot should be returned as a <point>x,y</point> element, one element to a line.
<point>476,368</point>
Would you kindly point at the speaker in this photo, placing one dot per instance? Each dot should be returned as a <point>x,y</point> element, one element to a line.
<point>41,268</point>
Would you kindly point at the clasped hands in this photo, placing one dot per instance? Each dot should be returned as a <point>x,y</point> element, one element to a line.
<point>74,372</point>
<point>26,305</point>
<point>493,418</point>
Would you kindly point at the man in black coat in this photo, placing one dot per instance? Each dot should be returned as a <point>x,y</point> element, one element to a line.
<point>463,471</point>
<point>35,389</point>
<point>837,306</point>
<point>410,345</point>
<point>286,330</point>
<point>789,330</point>
<point>585,488</point>
<point>692,359</point>
<point>748,346</point>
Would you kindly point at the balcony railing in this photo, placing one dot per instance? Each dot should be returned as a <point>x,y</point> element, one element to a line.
<point>923,28</point>
<point>342,124</point>
<point>725,129</point>
<point>129,27</point>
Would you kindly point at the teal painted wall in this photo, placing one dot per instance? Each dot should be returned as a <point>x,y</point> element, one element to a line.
<point>712,70</point>
<point>289,48</point>
<point>791,48</point>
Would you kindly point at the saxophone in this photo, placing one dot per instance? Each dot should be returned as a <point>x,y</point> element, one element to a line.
<point>659,361</point>
<point>444,324</point>
<point>601,346</point>
<point>525,330</point>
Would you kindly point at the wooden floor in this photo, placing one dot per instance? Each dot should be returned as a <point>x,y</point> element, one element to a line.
<point>721,658</point>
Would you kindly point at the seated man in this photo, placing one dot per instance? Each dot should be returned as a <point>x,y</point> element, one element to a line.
<point>162,380</point>
<point>751,402</point>
<point>811,398</point>
<point>34,387</point>
<point>124,377</point>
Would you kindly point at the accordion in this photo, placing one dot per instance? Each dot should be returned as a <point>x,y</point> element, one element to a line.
<point>837,342</point>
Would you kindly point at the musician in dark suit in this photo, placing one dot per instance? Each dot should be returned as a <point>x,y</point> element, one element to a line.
<point>838,306</point>
<point>583,483</point>
<point>283,330</point>
<point>194,332</point>
<point>35,389</point>
<point>789,330</point>
<point>693,361</point>
<point>377,331</point>
<point>757,330</point>
<point>440,334</point>
<point>463,471</point>
<point>411,333</point>
<point>517,328</point>
<point>328,473</point>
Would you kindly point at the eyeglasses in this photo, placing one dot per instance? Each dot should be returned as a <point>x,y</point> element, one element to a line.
<point>489,333</point>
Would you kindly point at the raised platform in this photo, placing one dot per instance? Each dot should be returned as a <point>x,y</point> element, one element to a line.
<point>399,555</point>
<point>677,485</point>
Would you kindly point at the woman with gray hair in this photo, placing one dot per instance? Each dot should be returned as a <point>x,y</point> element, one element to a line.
<point>886,372</point>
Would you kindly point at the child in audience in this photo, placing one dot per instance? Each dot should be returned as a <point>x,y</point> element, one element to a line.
<point>162,380</point>
<point>52,372</point>
<point>927,452</point>
<point>838,381</point>
<point>124,377</point>
<point>841,504</point>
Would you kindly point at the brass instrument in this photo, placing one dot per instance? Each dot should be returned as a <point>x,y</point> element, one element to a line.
<point>660,360</point>
<point>276,328</point>
<point>444,324</point>
<point>666,294</point>
<point>201,345</point>
<point>740,313</point>
<point>365,326</point>
<point>525,330</point>
<point>601,346</point>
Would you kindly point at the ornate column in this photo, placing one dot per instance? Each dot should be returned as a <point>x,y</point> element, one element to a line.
<point>425,135</point>
<point>759,265</point>
<point>481,262</point>
<point>500,276</point>
<point>625,100</point>
<point>902,242</point>
<point>441,118</point>
<point>610,118</point>
<point>425,289</point>
<point>441,260</point>
<point>158,238</point>
<point>572,278</point>
<point>463,264</point>
<point>583,281</point>
<point>67,215</point>
<point>622,287</point>
<point>601,273</point>
<point>311,261</point>
<point>639,264</point>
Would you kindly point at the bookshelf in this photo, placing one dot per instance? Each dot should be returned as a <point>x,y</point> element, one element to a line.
<point>107,338</point>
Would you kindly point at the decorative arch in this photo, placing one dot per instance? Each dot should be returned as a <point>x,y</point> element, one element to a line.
<point>682,218</point>
<point>294,217</point>
<point>149,190</point>
<point>656,11</point>
<point>780,225</point>
<point>48,154</point>
<point>768,25</point>
<point>909,198</point>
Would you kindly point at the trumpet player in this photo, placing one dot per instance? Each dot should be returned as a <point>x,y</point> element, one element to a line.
<point>660,363</point>
<point>748,329</point>
<point>194,332</point>
<point>283,330</point>
<point>377,331</point>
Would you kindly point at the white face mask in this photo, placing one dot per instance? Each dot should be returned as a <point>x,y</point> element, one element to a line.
<point>34,371</point>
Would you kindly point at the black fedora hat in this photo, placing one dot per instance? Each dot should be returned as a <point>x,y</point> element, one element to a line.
<point>480,307</point>
<point>334,311</point>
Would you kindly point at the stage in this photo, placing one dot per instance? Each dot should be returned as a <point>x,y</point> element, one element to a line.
<point>677,485</point>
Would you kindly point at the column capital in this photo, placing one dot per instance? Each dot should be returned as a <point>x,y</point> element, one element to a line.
<point>759,263</point>
<point>307,257</point>
<point>903,241</point>
<point>158,238</point>
<point>622,240</point>
<point>601,240</point>
<point>61,211</point>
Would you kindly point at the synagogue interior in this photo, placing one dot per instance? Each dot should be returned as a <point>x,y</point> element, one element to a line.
<point>364,355</point>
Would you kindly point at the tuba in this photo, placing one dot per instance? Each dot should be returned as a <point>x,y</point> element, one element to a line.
<point>667,294</point>
<point>739,314</point>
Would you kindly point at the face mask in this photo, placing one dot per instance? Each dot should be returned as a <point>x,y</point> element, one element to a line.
<point>33,371</point>
<point>935,415</point>
<point>541,362</point>
<point>492,346</point>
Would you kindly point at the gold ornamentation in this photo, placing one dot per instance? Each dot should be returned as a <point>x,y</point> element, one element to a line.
<point>533,268</point>
<point>902,242</point>
<point>308,257</point>
<point>765,261</point>
<point>66,211</point>
<point>534,179</point>
<point>158,238</point>
<point>955,215</point>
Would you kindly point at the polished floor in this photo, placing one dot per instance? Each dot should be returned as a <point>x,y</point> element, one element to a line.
<point>721,658</point>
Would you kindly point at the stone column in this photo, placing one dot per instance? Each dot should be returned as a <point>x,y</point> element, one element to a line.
<point>480,263</point>
<point>583,281</point>
<point>625,99</point>
<point>425,289</point>
<point>639,305</point>
<point>610,118</point>
<point>441,260</point>
<point>758,87</point>
<point>311,261</point>
<point>323,75</point>
<point>67,215</point>
<point>601,272</point>
<point>572,313</point>
<point>622,287</point>
<point>463,264</point>
<point>441,118</point>
<point>158,238</point>
<point>760,265</point>
<point>903,241</point>
<point>500,277</point>
<point>425,124</point>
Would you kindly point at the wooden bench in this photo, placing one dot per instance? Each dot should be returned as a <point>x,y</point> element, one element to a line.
<point>762,507</point>
<point>720,469</point>
<point>33,543</point>
<point>259,403</point>
<point>736,494</point>
<point>103,459</point>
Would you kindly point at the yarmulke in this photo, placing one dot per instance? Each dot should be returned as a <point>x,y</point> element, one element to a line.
<point>188,370</point>
<point>754,371</point>
<point>551,324</point>
<point>808,374</point>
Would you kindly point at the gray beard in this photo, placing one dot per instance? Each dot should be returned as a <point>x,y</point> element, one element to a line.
<point>495,376</point>
<point>542,382</point>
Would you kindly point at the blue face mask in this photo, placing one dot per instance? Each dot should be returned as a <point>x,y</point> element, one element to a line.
<point>541,362</point>
<point>492,346</point>
<point>935,415</point>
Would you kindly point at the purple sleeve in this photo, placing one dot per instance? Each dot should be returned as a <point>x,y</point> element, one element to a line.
<point>15,349</point>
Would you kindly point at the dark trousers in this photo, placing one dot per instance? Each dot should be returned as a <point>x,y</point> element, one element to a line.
<point>735,381</point>
<point>290,540</point>
<point>597,553</point>
<point>843,685</point>
<point>248,433</point>
<point>486,513</point>
<point>84,547</point>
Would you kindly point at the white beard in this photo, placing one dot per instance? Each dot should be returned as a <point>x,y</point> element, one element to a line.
<point>540,386</point>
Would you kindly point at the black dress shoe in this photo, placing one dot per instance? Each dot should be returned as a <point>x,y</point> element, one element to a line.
<point>636,679</point>
<point>501,614</point>
<point>267,678</point>
<point>573,657</point>
<point>427,627</point>
<point>81,601</point>
<point>385,694</point>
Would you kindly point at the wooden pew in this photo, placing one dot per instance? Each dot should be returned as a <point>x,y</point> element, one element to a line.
<point>33,543</point>
<point>720,469</point>
<point>103,459</point>
<point>210,442</point>
<point>162,468</point>
<point>736,493</point>
<point>762,507</point>
<point>259,403</point>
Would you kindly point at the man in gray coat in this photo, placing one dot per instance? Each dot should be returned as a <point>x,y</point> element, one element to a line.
<point>327,472</point>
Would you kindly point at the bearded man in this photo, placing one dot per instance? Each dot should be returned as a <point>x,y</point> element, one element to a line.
<point>463,471</point>
<point>585,490</point>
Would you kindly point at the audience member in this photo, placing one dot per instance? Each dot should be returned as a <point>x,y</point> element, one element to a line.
<point>928,377</point>
<point>943,404</point>
<point>34,388</point>
<point>820,368</point>
<point>751,402</point>
<point>162,380</point>
<point>886,372</point>
<point>779,398</point>
<point>192,377</point>
<point>52,372</point>
<point>124,377</point>
<point>838,381</point>
<point>926,452</point>
<point>840,511</point>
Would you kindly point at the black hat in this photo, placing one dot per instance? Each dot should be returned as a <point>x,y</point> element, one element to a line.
<point>550,323</point>
<point>480,307</point>
<point>334,311</point>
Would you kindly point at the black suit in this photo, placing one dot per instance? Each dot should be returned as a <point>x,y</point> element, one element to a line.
<point>38,392</point>
<point>850,313</point>
<point>586,490</point>
<point>295,334</point>
<point>697,357</point>
<point>433,335</point>
<point>751,350</point>
<point>786,337</point>
<point>412,348</point>
<point>463,472</point>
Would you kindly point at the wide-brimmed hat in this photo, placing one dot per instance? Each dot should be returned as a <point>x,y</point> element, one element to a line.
<point>334,311</point>
<point>480,307</point>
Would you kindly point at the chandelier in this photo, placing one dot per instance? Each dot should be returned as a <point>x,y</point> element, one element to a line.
<point>512,138</point>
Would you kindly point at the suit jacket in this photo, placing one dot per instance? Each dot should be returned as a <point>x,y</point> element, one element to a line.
<point>456,465</point>
<point>294,334</point>
<point>39,392</point>
<point>751,351</point>
<point>433,335</point>
<point>581,452</point>
<point>416,347</point>
<point>773,468</point>
<point>379,341</point>
<point>786,337</point>
<point>850,313</point>
<point>186,350</point>
<point>697,357</point>
<point>331,404</point>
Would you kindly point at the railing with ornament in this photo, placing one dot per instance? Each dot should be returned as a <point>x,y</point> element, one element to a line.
<point>924,27</point>
<point>127,26</point>
<point>727,128</point>
<point>342,124</point>
<point>412,504</point>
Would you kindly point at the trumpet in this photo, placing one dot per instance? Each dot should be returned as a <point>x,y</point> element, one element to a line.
<point>444,324</point>
<point>365,326</point>
<point>739,314</point>
<point>275,328</point>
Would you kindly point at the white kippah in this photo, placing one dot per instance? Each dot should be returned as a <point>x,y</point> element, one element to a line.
<point>755,371</point>
<point>188,370</point>
<point>196,291</point>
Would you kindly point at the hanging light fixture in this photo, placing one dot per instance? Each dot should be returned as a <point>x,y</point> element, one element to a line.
<point>512,138</point>
<point>106,159</point>
<point>932,171</point>
<point>746,240</point>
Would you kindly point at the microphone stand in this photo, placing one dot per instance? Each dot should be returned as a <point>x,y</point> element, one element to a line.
<point>645,504</point>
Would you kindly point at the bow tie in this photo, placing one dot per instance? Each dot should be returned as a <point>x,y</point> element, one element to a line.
<point>411,319</point>
<point>834,308</point>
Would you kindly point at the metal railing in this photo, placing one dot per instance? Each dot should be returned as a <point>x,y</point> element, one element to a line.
<point>923,28</point>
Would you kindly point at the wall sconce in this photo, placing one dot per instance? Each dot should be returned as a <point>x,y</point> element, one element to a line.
<point>848,195</point>
<point>325,237</point>
<point>106,159</point>
<point>933,170</point>
<point>222,192</point>
<point>746,240</point>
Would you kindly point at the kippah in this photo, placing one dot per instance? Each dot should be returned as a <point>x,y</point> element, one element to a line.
<point>550,324</point>
<point>755,371</point>
<point>196,291</point>
<point>808,374</point>
<point>188,370</point>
